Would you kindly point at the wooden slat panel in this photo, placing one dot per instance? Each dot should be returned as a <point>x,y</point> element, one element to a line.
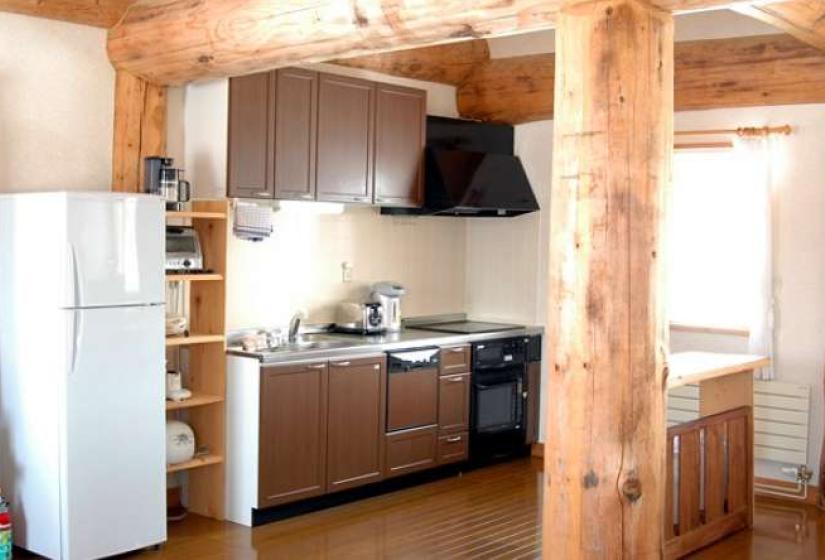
<point>670,481</point>
<point>776,401</point>
<point>779,429</point>
<point>738,470</point>
<point>688,405</point>
<point>706,534</point>
<point>781,442</point>
<point>780,455</point>
<point>689,481</point>
<point>780,415</point>
<point>715,484</point>
<point>681,416</point>
<point>786,389</point>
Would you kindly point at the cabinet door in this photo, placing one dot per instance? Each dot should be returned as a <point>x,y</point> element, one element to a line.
<point>355,446</point>
<point>294,99</point>
<point>533,401</point>
<point>346,109</point>
<point>400,129</point>
<point>293,433</point>
<point>411,450</point>
<point>454,403</point>
<point>248,137</point>
<point>412,399</point>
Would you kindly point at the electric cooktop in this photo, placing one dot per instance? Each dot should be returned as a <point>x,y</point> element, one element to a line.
<point>469,327</point>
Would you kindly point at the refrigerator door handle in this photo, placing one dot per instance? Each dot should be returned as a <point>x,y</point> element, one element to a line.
<point>77,335</point>
<point>76,295</point>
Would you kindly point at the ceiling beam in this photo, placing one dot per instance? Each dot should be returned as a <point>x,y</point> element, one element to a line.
<point>175,41</point>
<point>444,64</point>
<point>719,73</point>
<point>97,13</point>
<point>804,19</point>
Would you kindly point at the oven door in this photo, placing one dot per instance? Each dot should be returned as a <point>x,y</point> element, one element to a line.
<point>497,400</point>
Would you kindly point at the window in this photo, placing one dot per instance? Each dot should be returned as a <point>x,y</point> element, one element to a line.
<point>713,258</point>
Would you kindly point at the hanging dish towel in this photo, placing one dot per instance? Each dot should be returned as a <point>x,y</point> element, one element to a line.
<point>252,222</point>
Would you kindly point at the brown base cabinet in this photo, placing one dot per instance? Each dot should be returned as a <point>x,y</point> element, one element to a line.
<point>533,400</point>
<point>355,445</point>
<point>293,433</point>
<point>412,450</point>
<point>453,448</point>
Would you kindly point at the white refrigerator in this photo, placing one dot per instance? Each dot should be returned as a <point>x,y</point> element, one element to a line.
<point>82,421</point>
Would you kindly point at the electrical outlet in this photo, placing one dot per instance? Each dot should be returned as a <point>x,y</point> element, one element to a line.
<point>346,272</point>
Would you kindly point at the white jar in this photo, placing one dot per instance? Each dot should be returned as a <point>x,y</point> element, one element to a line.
<point>180,442</point>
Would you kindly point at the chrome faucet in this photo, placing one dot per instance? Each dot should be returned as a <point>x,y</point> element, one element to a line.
<point>294,325</point>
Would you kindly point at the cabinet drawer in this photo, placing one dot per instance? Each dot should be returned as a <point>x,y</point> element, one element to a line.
<point>454,402</point>
<point>452,448</point>
<point>410,451</point>
<point>455,359</point>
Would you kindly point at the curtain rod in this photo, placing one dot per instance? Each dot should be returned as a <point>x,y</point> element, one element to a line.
<point>745,131</point>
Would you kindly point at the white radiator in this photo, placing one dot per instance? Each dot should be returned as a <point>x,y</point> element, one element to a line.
<point>781,417</point>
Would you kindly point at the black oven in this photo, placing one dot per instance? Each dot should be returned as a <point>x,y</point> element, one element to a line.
<point>497,422</point>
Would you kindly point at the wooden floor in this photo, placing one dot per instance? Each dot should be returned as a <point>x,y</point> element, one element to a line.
<point>488,513</point>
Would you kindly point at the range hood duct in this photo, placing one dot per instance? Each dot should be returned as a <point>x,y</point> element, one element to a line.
<point>470,170</point>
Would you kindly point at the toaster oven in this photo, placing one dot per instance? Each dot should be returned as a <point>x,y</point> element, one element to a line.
<point>183,249</point>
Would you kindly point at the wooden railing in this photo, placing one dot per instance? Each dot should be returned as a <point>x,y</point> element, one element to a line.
<point>709,480</point>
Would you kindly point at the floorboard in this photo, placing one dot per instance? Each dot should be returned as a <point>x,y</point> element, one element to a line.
<point>491,513</point>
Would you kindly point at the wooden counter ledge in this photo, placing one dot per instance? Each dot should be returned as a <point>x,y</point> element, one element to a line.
<point>686,368</point>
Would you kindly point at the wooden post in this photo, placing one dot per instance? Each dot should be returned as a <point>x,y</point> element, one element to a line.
<point>140,129</point>
<point>613,136</point>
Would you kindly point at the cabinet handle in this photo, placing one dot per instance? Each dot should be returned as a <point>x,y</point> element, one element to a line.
<point>376,366</point>
<point>262,193</point>
<point>453,439</point>
<point>457,350</point>
<point>457,379</point>
<point>342,364</point>
<point>317,366</point>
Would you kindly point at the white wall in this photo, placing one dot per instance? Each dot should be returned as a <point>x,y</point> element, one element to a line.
<point>799,251</point>
<point>299,267</point>
<point>56,106</point>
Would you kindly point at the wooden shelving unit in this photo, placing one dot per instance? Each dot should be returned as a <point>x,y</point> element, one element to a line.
<point>197,399</point>
<point>193,339</point>
<point>206,375</point>
<point>203,461</point>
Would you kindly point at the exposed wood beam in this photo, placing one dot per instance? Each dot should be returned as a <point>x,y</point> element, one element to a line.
<point>98,13</point>
<point>804,19</point>
<point>612,145</point>
<point>176,41</point>
<point>739,72</point>
<point>139,129</point>
<point>445,64</point>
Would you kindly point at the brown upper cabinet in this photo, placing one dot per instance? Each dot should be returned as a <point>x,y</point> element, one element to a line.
<point>346,139</point>
<point>294,104</point>
<point>297,134</point>
<point>248,137</point>
<point>400,134</point>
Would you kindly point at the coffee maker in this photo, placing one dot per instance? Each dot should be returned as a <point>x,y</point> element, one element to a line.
<point>160,178</point>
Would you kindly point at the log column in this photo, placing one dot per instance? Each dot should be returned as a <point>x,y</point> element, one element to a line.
<point>605,448</point>
<point>139,129</point>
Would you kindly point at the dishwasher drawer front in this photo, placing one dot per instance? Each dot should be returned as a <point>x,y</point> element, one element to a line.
<point>412,399</point>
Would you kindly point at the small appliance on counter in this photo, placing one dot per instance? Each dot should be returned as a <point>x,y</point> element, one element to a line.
<point>160,178</point>
<point>174,387</point>
<point>388,294</point>
<point>360,318</point>
<point>183,250</point>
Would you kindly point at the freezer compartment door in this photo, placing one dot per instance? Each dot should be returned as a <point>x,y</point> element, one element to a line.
<point>115,250</point>
<point>113,438</point>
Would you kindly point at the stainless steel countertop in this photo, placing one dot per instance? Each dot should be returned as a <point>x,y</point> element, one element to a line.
<point>349,346</point>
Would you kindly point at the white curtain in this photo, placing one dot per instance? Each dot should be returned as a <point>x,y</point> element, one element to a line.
<point>757,155</point>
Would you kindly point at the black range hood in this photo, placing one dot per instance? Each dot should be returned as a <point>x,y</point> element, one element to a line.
<point>470,170</point>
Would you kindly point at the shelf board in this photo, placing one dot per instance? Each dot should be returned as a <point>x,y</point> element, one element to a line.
<point>193,339</point>
<point>194,277</point>
<point>202,461</point>
<point>197,399</point>
<point>194,215</point>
